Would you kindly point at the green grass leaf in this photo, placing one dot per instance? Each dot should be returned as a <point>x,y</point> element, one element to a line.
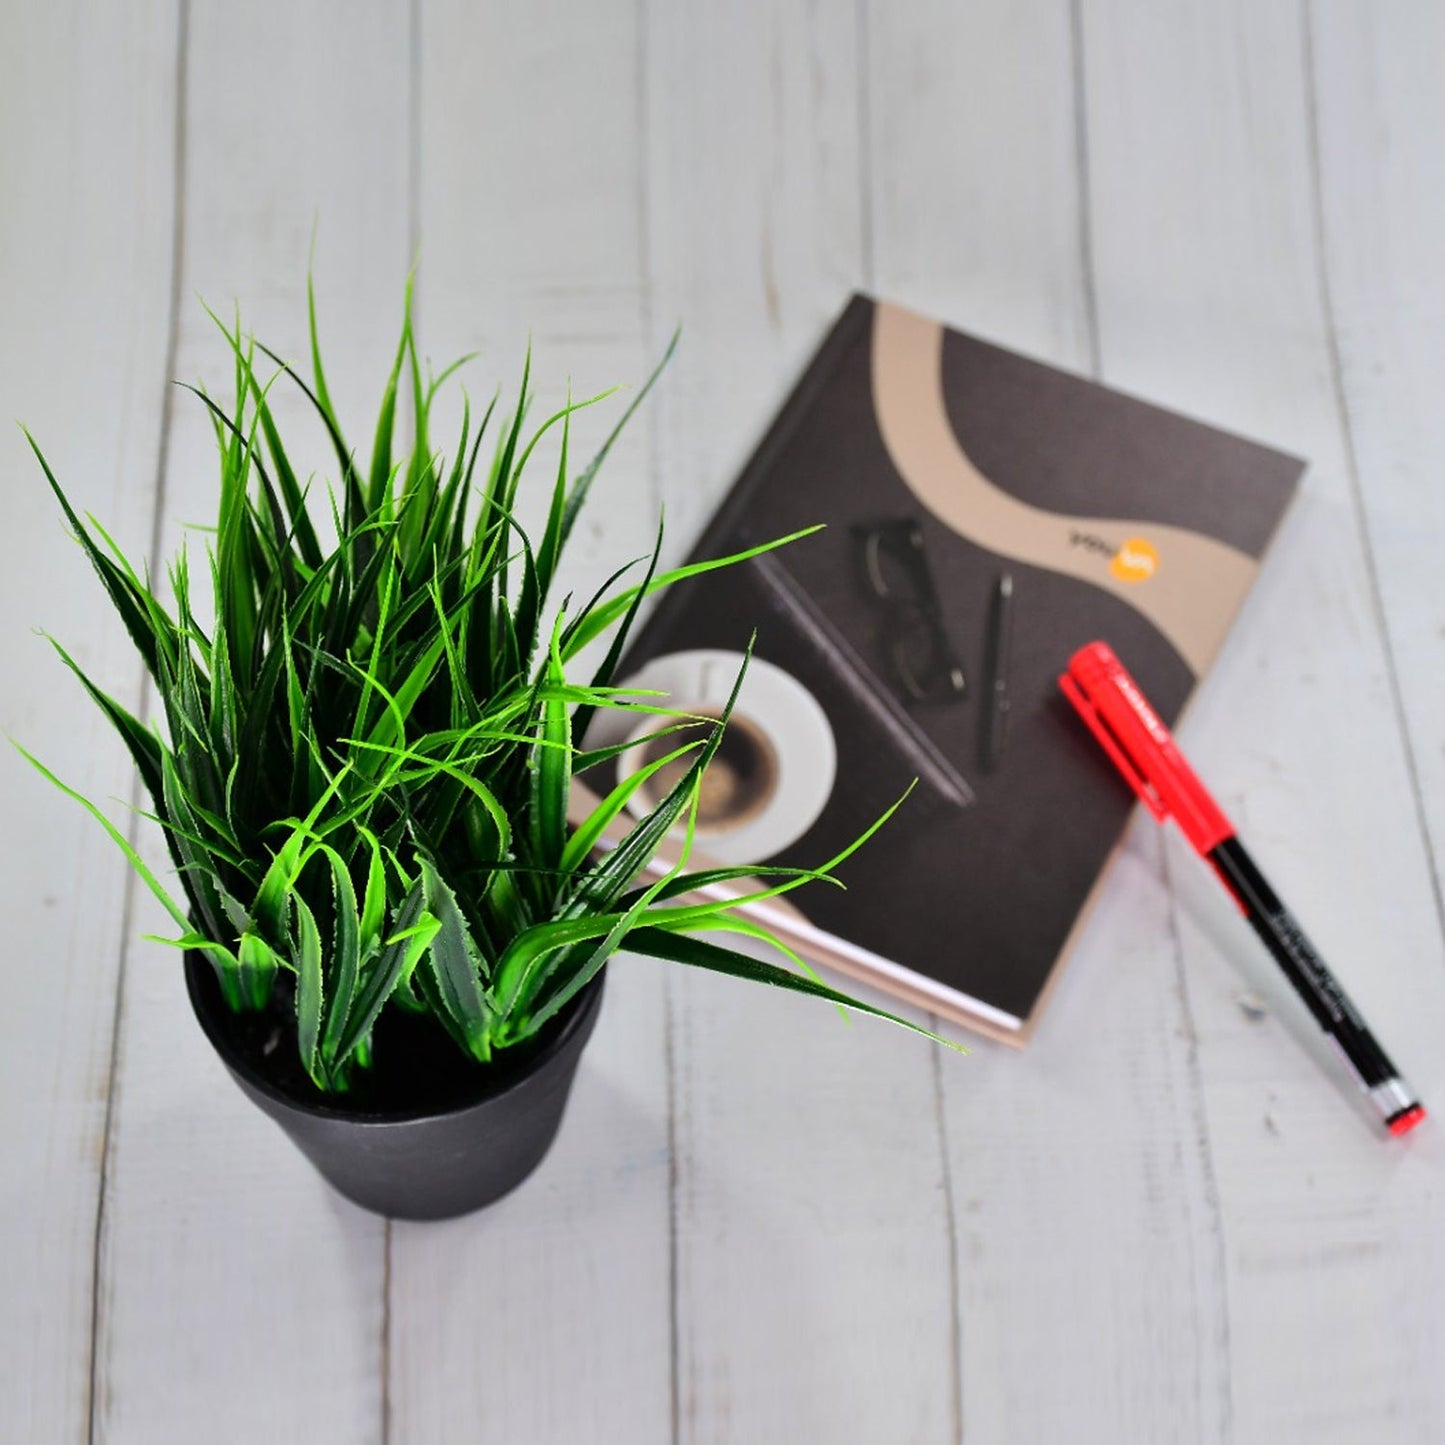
<point>310,992</point>
<point>609,612</point>
<point>587,834</point>
<point>456,964</point>
<point>414,930</point>
<point>599,886</point>
<point>578,495</point>
<point>698,953</point>
<point>138,863</point>
<point>346,956</point>
<point>552,766</point>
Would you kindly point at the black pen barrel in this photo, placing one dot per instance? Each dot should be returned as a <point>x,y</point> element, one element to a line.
<point>1331,1006</point>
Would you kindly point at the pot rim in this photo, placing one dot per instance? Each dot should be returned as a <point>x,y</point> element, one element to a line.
<point>576,1016</point>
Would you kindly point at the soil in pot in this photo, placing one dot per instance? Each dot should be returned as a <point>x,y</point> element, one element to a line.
<point>416,1067</point>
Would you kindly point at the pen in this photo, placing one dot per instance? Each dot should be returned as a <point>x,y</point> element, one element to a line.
<point>1142,749</point>
<point>1000,646</point>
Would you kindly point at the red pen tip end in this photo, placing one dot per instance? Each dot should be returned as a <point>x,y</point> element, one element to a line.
<point>1406,1119</point>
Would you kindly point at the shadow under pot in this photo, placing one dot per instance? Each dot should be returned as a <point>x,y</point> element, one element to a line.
<point>429,1133</point>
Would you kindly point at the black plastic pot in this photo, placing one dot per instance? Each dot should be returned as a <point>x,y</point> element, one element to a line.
<point>429,1163</point>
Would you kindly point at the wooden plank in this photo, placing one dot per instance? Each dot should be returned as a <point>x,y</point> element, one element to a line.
<point>81,363</point>
<point>238,1289</point>
<point>1377,107</point>
<point>547,1317</point>
<point>1088,1238</point>
<point>1210,297</point>
<point>1378,111</point>
<point>814,1295</point>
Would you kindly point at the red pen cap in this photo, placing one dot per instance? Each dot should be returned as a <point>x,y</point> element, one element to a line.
<point>1141,747</point>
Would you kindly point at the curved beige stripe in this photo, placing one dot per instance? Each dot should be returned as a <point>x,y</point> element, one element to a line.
<point>1199,582</point>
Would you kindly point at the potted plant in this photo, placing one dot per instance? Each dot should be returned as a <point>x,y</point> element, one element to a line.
<point>393,936</point>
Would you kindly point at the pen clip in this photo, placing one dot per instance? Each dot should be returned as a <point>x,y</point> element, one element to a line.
<point>1111,745</point>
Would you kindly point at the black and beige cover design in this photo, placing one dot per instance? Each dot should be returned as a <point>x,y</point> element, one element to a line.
<point>940,464</point>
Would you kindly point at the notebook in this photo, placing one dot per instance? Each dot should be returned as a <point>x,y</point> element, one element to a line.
<point>985,516</point>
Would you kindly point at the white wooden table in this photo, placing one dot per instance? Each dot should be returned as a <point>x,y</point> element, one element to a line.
<point>1168,1220</point>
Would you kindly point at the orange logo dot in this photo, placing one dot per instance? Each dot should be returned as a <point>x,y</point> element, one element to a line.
<point>1136,561</point>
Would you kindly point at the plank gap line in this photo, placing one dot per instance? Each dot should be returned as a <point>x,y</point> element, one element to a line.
<point>864,107</point>
<point>1341,405</point>
<point>128,903</point>
<point>1213,1201</point>
<point>950,1228</point>
<point>646,301</point>
<point>413,141</point>
<point>647,324</point>
<point>1084,194</point>
<point>385,1342</point>
<point>673,1283</point>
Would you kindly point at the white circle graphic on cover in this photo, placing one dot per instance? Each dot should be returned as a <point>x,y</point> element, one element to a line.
<point>774,771</point>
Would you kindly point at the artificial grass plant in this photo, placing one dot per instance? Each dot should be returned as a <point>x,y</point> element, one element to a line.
<point>371,734</point>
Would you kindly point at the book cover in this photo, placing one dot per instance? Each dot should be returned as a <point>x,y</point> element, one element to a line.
<point>985,516</point>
